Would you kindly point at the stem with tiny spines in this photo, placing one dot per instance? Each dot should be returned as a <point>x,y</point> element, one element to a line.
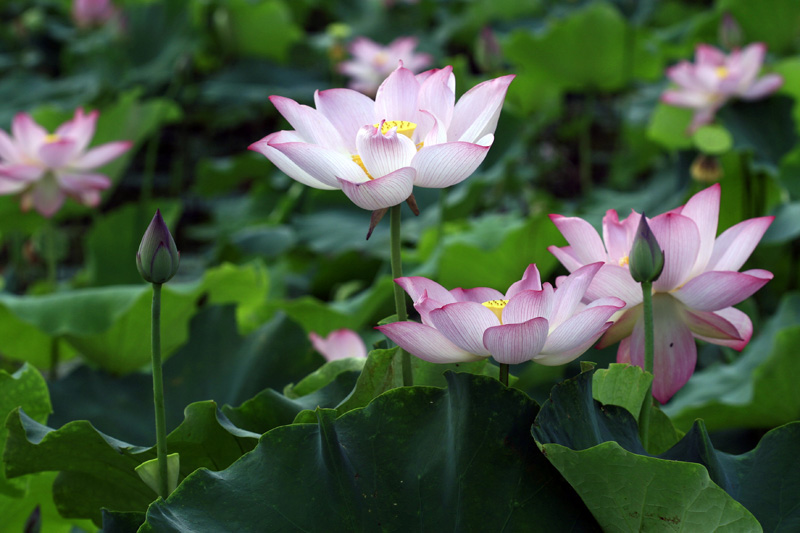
<point>158,394</point>
<point>399,294</point>
<point>649,356</point>
<point>504,374</point>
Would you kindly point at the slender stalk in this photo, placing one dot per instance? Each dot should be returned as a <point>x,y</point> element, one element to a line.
<point>649,355</point>
<point>55,355</point>
<point>158,393</point>
<point>504,374</point>
<point>50,252</point>
<point>399,295</point>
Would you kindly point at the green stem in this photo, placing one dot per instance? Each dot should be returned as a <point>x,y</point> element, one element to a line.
<point>158,393</point>
<point>399,295</point>
<point>649,355</point>
<point>55,355</point>
<point>504,374</point>
<point>50,253</point>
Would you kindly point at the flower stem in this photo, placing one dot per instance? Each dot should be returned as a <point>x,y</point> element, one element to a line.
<point>50,253</point>
<point>158,393</point>
<point>504,374</point>
<point>399,295</point>
<point>649,349</point>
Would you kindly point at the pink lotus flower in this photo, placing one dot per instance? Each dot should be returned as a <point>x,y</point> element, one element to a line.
<point>88,13</point>
<point>693,296</point>
<point>376,151</point>
<point>45,168</point>
<point>339,344</point>
<point>372,62</point>
<point>530,321</point>
<point>715,78</point>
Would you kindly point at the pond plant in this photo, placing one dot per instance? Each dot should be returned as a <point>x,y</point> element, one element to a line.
<point>589,324</point>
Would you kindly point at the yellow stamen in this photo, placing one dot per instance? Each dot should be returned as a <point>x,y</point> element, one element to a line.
<point>496,307</point>
<point>380,59</point>
<point>623,261</point>
<point>51,138</point>
<point>359,162</point>
<point>404,127</point>
<point>722,72</point>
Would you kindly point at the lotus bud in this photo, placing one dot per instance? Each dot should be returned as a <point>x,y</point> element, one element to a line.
<point>158,257</point>
<point>646,260</point>
<point>148,472</point>
<point>730,33</point>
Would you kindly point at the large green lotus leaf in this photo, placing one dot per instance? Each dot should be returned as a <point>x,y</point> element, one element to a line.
<point>563,49</point>
<point>110,326</point>
<point>765,127</point>
<point>773,22</point>
<point>383,371</point>
<point>627,386</point>
<point>251,22</point>
<point>668,127</point>
<point>413,459</point>
<point>629,493</point>
<point>96,470</point>
<point>580,432</point>
<point>497,250</point>
<point>24,388</point>
<point>217,363</point>
<point>114,239</point>
<point>758,390</point>
<point>39,493</point>
<point>323,375</point>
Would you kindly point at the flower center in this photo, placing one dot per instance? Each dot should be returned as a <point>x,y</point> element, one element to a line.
<point>51,138</point>
<point>623,261</point>
<point>496,307</point>
<point>380,59</point>
<point>404,127</point>
<point>722,72</point>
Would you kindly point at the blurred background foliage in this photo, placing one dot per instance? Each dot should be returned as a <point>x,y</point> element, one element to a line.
<point>188,81</point>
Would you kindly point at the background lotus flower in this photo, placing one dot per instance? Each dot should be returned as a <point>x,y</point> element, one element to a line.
<point>530,321</point>
<point>46,168</point>
<point>375,151</point>
<point>695,293</point>
<point>339,344</point>
<point>714,78</point>
<point>372,62</point>
<point>88,13</point>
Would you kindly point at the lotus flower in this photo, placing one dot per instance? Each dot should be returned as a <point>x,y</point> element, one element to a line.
<point>714,78</point>
<point>375,151</point>
<point>45,168</point>
<point>339,344</point>
<point>531,321</point>
<point>372,62</point>
<point>88,13</point>
<point>693,296</point>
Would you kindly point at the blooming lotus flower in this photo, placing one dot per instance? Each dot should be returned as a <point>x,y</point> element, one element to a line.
<point>88,13</point>
<point>45,168</point>
<point>376,151</point>
<point>692,298</point>
<point>339,344</point>
<point>372,62</point>
<point>531,321</point>
<point>714,78</point>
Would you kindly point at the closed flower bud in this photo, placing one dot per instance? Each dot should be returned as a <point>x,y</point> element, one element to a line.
<point>646,258</point>
<point>158,257</point>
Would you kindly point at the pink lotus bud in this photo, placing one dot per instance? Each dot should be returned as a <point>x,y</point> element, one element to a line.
<point>158,257</point>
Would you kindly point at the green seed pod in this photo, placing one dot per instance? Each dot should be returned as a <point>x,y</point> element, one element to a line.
<point>646,258</point>
<point>158,257</point>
